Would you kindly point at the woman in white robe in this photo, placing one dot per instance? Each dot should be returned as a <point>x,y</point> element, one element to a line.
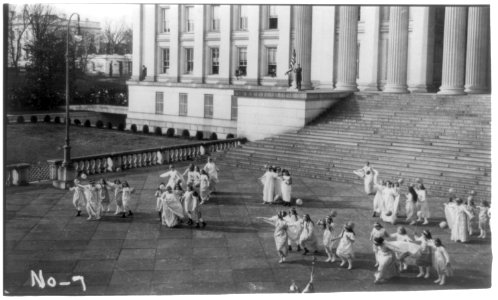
<point>286,187</point>
<point>328,242</point>
<point>411,205</point>
<point>118,195</point>
<point>160,190</point>
<point>190,175</point>
<point>204,186</point>
<point>127,191</point>
<point>423,204</point>
<point>387,267</point>
<point>172,210</point>
<point>280,234</point>
<point>105,199</point>
<point>278,184</point>
<point>307,239</point>
<point>268,180</point>
<point>93,207</point>
<point>212,171</point>
<point>345,249</point>
<point>460,229</point>
<point>295,227</point>
<point>79,200</point>
<point>378,199</point>
<point>174,177</point>
<point>196,175</point>
<point>367,173</point>
<point>387,206</point>
<point>377,232</point>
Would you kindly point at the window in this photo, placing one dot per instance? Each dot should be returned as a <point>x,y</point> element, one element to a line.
<point>243,17</point>
<point>165,20</point>
<point>208,106</point>
<point>272,62</point>
<point>242,70</point>
<point>234,109</point>
<point>215,18</point>
<point>165,60</point>
<point>183,105</point>
<point>159,103</point>
<point>189,60</point>
<point>189,19</point>
<point>273,17</point>
<point>215,60</point>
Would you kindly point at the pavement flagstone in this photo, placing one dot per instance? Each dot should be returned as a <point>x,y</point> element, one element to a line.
<point>235,253</point>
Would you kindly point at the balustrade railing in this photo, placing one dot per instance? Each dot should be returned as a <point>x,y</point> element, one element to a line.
<point>119,161</point>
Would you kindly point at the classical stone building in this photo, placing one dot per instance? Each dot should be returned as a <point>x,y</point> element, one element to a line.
<point>222,68</point>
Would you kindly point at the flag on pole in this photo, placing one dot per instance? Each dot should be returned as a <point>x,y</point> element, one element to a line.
<point>293,59</point>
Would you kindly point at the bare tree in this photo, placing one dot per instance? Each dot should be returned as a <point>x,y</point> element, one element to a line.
<point>18,23</point>
<point>114,34</point>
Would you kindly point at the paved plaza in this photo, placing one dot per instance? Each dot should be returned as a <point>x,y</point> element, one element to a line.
<point>234,253</point>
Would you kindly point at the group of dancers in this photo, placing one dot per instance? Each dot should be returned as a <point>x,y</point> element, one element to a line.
<point>390,250</point>
<point>463,218</point>
<point>277,184</point>
<point>386,202</point>
<point>95,197</point>
<point>173,204</point>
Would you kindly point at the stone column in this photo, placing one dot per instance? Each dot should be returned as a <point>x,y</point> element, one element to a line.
<point>455,42</point>
<point>421,48</point>
<point>348,46</point>
<point>174,43</point>
<point>284,47</point>
<point>477,50</point>
<point>303,42</point>
<point>149,41</point>
<point>137,42</point>
<point>369,49</point>
<point>225,43</point>
<point>252,77</point>
<point>398,50</point>
<point>323,45</point>
<point>199,49</point>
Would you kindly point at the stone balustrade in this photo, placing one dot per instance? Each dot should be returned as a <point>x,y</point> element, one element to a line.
<point>119,161</point>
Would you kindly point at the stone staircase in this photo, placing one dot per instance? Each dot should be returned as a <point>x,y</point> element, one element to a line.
<point>445,140</point>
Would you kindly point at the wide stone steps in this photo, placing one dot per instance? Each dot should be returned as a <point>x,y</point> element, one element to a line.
<point>380,144</point>
<point>444,140</point>
<point>352,163</point>
<point>364,154</point>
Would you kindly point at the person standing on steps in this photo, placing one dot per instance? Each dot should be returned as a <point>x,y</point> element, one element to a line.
<point>299,76</point>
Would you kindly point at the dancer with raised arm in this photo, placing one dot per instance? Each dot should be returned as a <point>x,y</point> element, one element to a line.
<point>367,173</point>
<point>174,176</point>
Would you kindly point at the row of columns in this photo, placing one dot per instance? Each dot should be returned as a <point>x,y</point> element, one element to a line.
<point>465,50</point>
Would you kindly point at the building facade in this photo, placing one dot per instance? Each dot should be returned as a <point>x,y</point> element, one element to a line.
<point>190,62</point>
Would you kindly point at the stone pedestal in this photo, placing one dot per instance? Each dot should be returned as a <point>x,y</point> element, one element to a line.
<point>62,176</point>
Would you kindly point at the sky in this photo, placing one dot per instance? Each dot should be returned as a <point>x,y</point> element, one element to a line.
<point>99,12</point>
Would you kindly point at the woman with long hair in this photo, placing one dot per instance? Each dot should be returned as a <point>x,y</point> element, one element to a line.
<point>411,205</point>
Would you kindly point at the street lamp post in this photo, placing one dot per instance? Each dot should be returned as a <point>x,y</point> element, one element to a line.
<point>67,147</point>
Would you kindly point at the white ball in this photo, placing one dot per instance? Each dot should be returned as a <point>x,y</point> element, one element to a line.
<point>451,191</point>
<point>83,176</point>
<point>443,225</point>
<point>299,202</point>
